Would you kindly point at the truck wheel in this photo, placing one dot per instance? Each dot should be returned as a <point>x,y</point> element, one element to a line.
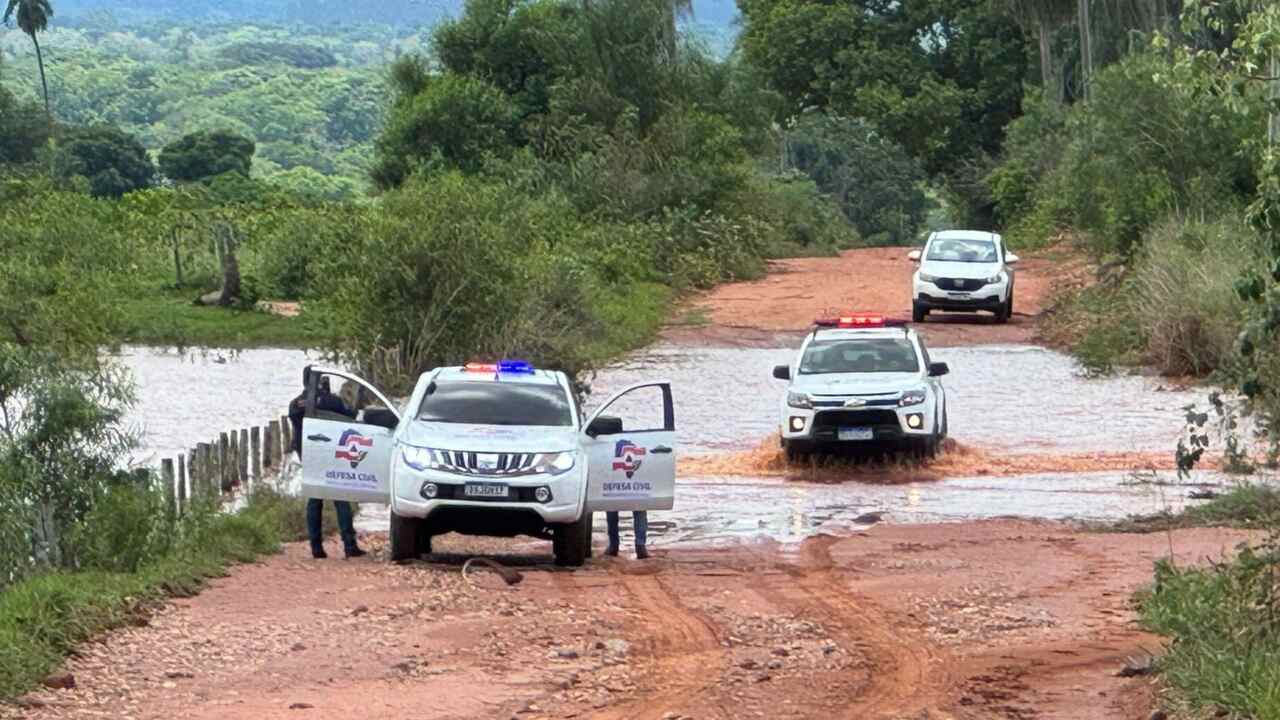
<point>1003,312</point>
<point>918,314</point>
<point>404,537</point>
<point>569,542</point>
<point>591,523</point>
<point>424,539</point>
<point>797,451</point>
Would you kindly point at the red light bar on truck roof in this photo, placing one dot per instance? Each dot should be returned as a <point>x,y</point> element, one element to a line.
<point>856,321</point>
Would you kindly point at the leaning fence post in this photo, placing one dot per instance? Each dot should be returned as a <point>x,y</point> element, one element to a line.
<point>244,458</point>
<point>224,464</point>
<point>255,452</point>
<point>166,477</point>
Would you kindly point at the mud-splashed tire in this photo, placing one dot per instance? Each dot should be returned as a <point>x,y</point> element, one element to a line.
<point>797,451</point>
<point>1003,313</point>
<point>569,542</point>
<point>918,314</point>
<point>404,537</point>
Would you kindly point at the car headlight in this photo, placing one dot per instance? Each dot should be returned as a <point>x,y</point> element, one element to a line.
<point>926,277</point>
<point>912,397</point>
<point>420,458</point>
<point>556,463</point>
<point>799,400</point>
<point>994,279</point>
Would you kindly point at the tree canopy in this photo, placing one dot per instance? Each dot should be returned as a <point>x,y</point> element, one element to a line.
<point>113,162</point>
<point>204,155</point>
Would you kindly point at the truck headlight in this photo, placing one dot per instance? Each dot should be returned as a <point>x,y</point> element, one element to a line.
<point>556,463</point>
<point>926,277</point>
<point>799,400</point>
<point>912,397</point>
<point>420,458</point>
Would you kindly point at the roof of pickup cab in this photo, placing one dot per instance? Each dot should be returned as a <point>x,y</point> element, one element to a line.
<point>537,377</point>
<point>879,333</point>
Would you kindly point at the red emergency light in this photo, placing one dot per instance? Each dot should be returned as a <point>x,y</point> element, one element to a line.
<point>857,321</point>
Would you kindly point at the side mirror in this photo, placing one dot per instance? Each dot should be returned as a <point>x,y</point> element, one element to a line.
<point>605,425</point>
<point>915,255</point>
<point>782,372</point>
<point>939,369</point>
<point>1011,259</point>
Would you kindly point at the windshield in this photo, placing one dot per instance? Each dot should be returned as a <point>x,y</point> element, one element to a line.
<point>970,251</point>
<point>494,403</point>
<point>868,355</point>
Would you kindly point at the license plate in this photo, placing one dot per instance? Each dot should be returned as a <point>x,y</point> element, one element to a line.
<point>856,434</point>
<point>485,490</point>
<point>959,296</point>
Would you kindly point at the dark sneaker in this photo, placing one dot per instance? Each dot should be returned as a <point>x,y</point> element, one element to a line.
<point>355,552</point>
<point>611,551</point>
<point>318,553</point>
<point>642,553</point>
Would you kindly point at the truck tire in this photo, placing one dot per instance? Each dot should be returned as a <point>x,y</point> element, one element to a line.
<point>918,314</point>
<point>797,451</point>
<point>404,537</point>
<point>591,523</point>
<point>569,542</point>
<point>424,539</point>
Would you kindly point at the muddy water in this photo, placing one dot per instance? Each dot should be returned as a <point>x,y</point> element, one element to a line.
<point>1014,399</point>
<point>1020,399</point>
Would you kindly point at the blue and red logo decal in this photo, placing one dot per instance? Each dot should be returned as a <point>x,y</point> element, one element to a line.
<point>353,447</point>
<point>628,457</point>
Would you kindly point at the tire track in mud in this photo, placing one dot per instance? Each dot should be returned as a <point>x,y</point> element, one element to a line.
<point>908,675</point>
<point>688,658</point>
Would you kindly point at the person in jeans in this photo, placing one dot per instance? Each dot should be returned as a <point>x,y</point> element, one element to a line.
<point>328,402</point>
<point>641,521</point>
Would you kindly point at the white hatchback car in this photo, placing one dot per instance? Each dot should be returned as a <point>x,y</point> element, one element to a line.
<point>862,381</point>
<point>963,271</point>
<point>493,449</point>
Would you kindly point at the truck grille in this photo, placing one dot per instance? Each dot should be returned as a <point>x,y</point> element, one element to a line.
<point>488,464</point>
<point>856,418</point>
<point>959,284</point>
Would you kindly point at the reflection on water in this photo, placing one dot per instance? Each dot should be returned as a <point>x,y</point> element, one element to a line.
<point>1019,399</point>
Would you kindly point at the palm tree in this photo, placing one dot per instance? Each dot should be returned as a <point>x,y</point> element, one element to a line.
<point>33,17</point>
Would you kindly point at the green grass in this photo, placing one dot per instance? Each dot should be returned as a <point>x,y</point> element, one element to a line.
<point>1224,660</point>
<point>44,618</point>
<point>1250,507</point>
<point>169,317</point>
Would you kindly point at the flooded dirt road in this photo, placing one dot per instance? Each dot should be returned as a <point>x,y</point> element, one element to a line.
<point>780,592</point>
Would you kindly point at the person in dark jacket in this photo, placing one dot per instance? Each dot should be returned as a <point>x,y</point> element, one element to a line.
<point>328,402</point>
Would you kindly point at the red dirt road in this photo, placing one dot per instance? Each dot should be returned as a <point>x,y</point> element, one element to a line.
<point>1002,619</point>
<point>787,300</point>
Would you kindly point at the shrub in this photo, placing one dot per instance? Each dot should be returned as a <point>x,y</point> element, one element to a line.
<point>1182,294</point>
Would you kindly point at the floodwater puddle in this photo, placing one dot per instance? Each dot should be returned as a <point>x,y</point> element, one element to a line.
<point>1059,443</point>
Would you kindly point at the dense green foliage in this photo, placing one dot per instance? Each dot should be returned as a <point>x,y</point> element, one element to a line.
<point>1225,659</point>
<point>942,78</point>
<point>205,155</point>
<point>134,558</point>
<point>112,162</point>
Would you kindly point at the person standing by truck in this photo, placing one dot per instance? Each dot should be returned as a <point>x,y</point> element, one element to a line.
<point>326,401</point>
<point>640,519</point>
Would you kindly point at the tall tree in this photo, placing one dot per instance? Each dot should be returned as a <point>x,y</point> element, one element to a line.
<point>33,17</point>
<point>1086,50</point>
<point>1043,18</point>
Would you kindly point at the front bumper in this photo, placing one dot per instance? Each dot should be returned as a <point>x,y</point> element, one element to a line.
<point>931,297</point>
<point>887,425</point>
<point>567,495</point>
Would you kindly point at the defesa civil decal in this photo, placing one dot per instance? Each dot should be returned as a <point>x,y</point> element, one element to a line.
<point>353,447</point>
<point>628,457</point>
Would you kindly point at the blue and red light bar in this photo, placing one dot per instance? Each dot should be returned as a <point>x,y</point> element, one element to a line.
<point>859,321</point>
<point>508,367</point>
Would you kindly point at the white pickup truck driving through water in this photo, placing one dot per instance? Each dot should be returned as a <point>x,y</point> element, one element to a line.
<point>494,449</point>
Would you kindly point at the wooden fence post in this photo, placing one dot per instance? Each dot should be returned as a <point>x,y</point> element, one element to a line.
<point>166,477</point>
<point>182,484</point>
<point>208,475</point>
<point>224,464</point>
<point>255,453</point>
<point>270,441</point>
<point>286,445</point>
<point>244,458</point>
<point>234,462</point>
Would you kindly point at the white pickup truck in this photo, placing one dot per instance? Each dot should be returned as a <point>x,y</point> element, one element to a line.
<point>493,449</point>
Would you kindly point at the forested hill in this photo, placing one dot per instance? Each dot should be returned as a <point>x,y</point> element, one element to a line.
<point>712,14</point>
